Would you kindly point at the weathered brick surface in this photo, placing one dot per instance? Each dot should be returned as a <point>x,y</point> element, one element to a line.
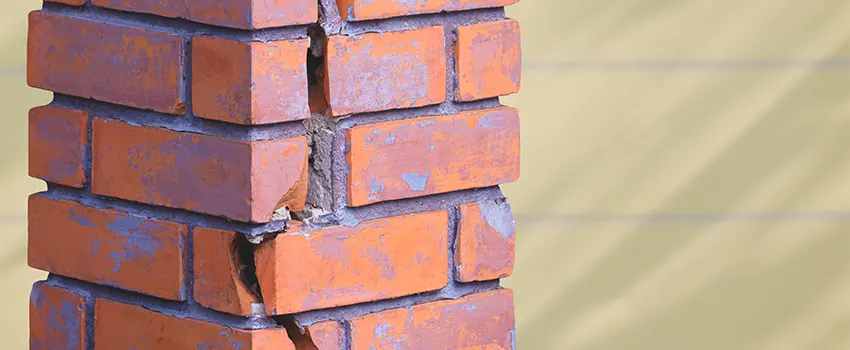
<point>182,143</point>
<point>218,270</point>
<point>107,247</point>
<point>58,138</point>
<point>70,2</point>
<point>123,65</point>
<point>489,61</point>
<point>485,241</point>
<point>478,321</point>
<point>243,14</point>
<point>357,10</point>
<point>381,71</point>
<point>377,259</point>
<point>57,318</point>
<point>249,82</point>
<point>244,181</point>
<point>326,335</point>
<point>122,326</point>
<point>428,155</point>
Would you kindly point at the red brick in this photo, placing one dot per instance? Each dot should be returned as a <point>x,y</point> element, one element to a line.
<point>57,318</point>
<point>245,181</point>
<point>217,270</point>
<point>382,71</point>
<point>107,247</point>
<point>485,242</point>
<point>428,155</point>
<point>358,10</point>
<point>321,336</point>
<point>489,60</point>
<point>249,82</point>
<point>243,14</point>
<point>70,2</point>
<point>122,326</point>
<point>57,142</point>
<point>377,259</point>
<point>129,66</point>
<point>478,321</point>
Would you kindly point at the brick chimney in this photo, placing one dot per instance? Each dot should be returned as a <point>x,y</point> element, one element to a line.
<point>273,174</point>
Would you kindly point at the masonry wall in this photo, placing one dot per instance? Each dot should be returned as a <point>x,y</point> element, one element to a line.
<point>272,174</point>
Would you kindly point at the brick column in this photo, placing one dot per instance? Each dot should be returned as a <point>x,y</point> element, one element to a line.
<point>273,174</point>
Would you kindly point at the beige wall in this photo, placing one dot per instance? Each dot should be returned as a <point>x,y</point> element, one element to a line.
<point>686,174</point>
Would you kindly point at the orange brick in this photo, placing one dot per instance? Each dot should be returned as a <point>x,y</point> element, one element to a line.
<point>377,259</point>
<point>245,181</point>
<point>382,71</point>
<point>485,242</point>
<point>57,318</point>
<point>428,155</point>
<point>242,14</point>
<point>489,61</point>
<point>106,62</point>
<point>57,142</point>
<point>358,10</point>
<point>249,82</point>
<point>107,247</point>
<point>217,270</point>
<point>321,336</point>
<point>478,321</point>
<point>122,326</point>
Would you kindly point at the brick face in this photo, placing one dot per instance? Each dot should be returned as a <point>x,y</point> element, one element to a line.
<point>377,259</point>
<point>122,326</point>
<point>485,241</point>
<point>57,318</point>
<point>428,155</point>
<point>222,175</point>
<point>479,321</point>
<point>107,247</point>
<point>242,14</point>
<point>243,181</point>
<point>217,271</point>
<point>249,82</point>
<point>489,62</point>
<point>58,138</point>
<point>380,71</point>
<point>122,65</point>
<point>357,10</point>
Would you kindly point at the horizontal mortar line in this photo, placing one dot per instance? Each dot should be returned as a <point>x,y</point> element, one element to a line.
<point>828,216</point>
<point>684,65</point>
<point>157,212</point>
<point>189,122</point>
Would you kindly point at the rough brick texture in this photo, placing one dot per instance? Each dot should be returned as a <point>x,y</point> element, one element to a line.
<point>57,318</point>
<point>243,14</point>
<point>377,259</point>
<point>488,60</point>
<point>249,82</point>
<point>108,247</point>
<point>380,71</point>
<point>434,154</point>
<point>478,321</point>
<point>273,174</point>
<point>57,145</point>
<point>117,64</point>
<point>356,10</point>
<point>122,326</point>
<point>245,181</point>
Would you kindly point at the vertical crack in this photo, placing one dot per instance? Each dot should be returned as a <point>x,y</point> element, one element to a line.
<point>242,251</point>
<point>299,335</point>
